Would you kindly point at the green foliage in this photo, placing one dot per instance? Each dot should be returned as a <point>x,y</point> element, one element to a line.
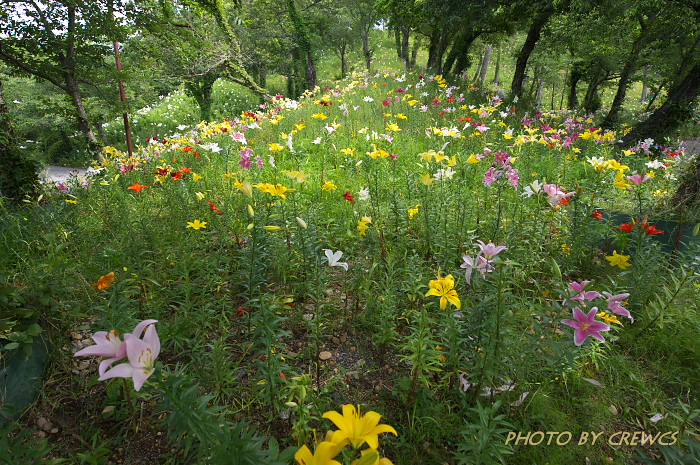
<point>22,448</point>
<point>483,438</point>
<point>203,432</point>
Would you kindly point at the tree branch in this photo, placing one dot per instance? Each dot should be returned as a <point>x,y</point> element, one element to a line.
<point>7,58</point>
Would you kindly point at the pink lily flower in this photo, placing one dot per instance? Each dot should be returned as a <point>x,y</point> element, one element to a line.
<point>108,344</point>
<point>490,250</point>
<point>581,294</point>
<point>637,179</point>
<point>469,264</point>
<point>142,355</point>
<point>555,194</point>
<point>586,325</point>
<point>615,305</point>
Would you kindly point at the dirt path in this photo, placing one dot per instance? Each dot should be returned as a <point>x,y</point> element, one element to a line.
<point>59,173</point>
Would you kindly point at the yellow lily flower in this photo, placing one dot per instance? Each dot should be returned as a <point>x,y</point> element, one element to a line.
<point>615,165</point>
<point>444,288</point>
<point>362,227</point>
<point>619,260</point>
<point>608,318</point>
<point>325,452</point>
<point>196,224</point>
<point>300,176</point>
<point>244,187</point>
<point>329,186</point>
<point>357,429</point>
<point>372,457</point>
<point>427,180</point>
<point>620,180</point>
<point>277,190</point>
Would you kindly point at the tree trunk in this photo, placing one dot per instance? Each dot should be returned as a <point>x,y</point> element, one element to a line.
<point>404,45</point>
<point>83,121</point>
<point>414,53</point>
<point>433,49</point>
<point>101,132</point>
<point>497,77</point>
<point>645,86</point>
<point>485,65</point>
<point>576,76</point>
<point>201,89</point>
<point>343,60</point>
<point>397,44</point>
<point>630,67</point>
<point>458,58</point>
<point>310,72</point>
<point>367,52</point>
<point>442,48</point>
<point>533,36</point>
<point>540,89</point>
<point>591,102</point>
<point>674,111</point>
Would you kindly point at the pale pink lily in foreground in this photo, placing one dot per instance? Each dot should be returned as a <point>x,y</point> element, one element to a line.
<point>108,344</point>
<point>586,325</point>
<point>142,355</point>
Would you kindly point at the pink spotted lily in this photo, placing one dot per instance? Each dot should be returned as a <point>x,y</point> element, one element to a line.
<point>615,304</point>
<point>586,325</point>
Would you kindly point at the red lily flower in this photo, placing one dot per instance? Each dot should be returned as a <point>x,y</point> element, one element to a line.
<point>185,169</point>
<point>214,208</point>
<point>242,311</point>
<point>187,149</point>
<point>137,187</point>
<point>176,175</point>
<point>651,230</point>
<point>597,215</point>
<point>348,196</point>
<point>161,172</point>
<point>626,227</point>
<point>564,201</point>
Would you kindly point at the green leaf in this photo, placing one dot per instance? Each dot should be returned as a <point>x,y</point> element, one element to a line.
<point>11,346</point>
<point>27,349</point>
<point>34,330</point>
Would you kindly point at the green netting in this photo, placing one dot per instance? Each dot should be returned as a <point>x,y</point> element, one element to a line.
<point>20,380</point>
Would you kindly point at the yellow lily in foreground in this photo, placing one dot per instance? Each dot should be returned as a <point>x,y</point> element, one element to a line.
<point>323,455</point>
<point>357,429</point>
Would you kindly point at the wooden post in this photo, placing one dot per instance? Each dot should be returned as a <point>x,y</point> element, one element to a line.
<point>122,95</point>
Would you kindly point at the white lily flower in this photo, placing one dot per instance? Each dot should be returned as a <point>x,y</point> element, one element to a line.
<point>333,258</point>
